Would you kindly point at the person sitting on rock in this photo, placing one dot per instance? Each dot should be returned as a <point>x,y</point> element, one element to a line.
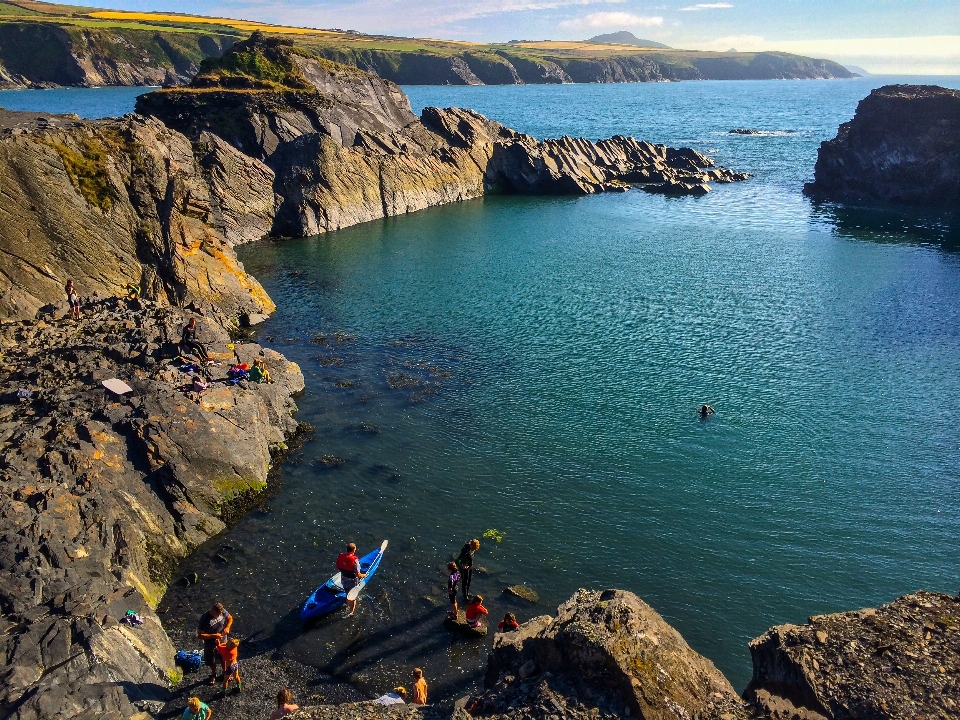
<point>285,705</point>
<point>196,710</point>
<point>189,341</point>
<point>73,299</point>
<point>397,697</point>
<point>508,624</point>
<point>259,372</point>
<point>705,411</point>
<point>474,610</point>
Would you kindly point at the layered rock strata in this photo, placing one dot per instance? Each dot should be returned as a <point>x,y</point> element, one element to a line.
<point>103,494</point>
<point>126,201</point>
<point>345,147</point>
<point>901,147</point>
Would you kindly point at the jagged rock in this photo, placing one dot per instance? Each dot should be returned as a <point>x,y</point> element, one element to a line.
<point>614,648</point>
<point>897,661</point>
<point>901,147</point>
<point>101,496</point>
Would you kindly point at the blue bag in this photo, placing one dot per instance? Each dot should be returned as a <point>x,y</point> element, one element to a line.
<point>189,660</point>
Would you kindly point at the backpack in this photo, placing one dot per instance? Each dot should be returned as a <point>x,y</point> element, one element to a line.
<point>189,660</point>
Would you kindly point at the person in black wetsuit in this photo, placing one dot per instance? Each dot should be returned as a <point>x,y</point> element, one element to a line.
<point>705,411</point>
<point>189,340</point>
<point>465,563</point>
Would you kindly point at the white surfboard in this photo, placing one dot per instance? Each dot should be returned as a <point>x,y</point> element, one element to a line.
<point>358,588</point>
<point>117,386</point>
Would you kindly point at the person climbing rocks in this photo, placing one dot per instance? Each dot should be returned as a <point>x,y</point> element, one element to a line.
<point>73,299</point>
<point>474,610</point>
<point>229,651</point>
<point>453,582</point>
<point>705,411</point>
<point>285,705</point>
<point>189,340</point>
<point>133,291</point>
<point>349,566</point>
<point>259,372</point>
<point>397,697</point>
<point>419,687</point>
<point>213,626</point>
<point>196,710</point>
<point>465,564</point>
<point>508,624</point>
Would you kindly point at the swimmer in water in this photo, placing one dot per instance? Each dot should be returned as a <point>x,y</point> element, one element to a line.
<point>705,411</point>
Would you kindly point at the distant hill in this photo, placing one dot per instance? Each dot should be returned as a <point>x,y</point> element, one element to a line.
<point>858,70</point>
<point>626,38</point>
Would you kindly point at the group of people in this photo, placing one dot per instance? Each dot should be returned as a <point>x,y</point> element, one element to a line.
<point>460,575</point>
<point>198,710</point>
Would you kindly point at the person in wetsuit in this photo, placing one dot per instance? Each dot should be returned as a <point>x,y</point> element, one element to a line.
<point>465,563</point>
<point>189,340</point>
<point>705,411</point>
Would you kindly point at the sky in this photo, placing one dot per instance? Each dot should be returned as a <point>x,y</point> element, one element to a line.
<point>882,36</point>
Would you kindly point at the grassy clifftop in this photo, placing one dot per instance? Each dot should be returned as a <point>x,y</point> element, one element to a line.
<point>127,48</point>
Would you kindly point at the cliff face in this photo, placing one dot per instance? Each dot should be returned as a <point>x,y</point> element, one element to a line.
<point>902,146</point>
<point>119,201</point>
<point>34,54</point>
<point>345,148</point>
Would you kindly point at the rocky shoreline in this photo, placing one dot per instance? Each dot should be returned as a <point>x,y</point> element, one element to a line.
<point>103,494</point>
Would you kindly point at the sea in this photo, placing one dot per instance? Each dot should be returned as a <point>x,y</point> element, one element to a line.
<point>526,371</point>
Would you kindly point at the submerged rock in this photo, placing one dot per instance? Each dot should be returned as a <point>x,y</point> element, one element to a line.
<point>900,147</point>
<point>522,592</point>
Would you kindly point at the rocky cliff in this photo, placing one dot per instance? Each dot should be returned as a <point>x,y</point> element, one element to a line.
<point>44,54</point>
<point>902,147</point>
<point>345,148</point>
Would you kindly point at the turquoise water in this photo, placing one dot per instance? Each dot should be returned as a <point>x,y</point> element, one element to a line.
<point>532,365</point>
<point>90,103</point>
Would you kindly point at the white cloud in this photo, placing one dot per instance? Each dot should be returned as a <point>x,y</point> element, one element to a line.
<point>706,6</point>
<point>606,20</point>
<point>933,55</point>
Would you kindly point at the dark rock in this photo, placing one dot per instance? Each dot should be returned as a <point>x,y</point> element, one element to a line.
<point>902,146</point>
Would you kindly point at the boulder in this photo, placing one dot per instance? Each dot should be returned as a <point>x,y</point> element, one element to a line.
<point>614,647</point>
<point>522,592</point>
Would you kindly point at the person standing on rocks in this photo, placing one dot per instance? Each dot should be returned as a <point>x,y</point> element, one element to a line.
<point>419,687</point>
<point>453,581</point>
<point>73,299</point>
<point>213,626</point>
<point>465,563</point>
<point>349,566</point>
<point>189,340</point>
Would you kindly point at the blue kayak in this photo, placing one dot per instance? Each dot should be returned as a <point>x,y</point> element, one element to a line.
<point>331,595</point>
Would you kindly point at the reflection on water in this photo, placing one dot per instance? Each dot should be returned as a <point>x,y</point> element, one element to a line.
<point>883,224</point>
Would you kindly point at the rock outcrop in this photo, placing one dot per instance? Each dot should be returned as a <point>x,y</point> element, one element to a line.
<point>902,147</point>
<point>605,654</point>
<point>345,148</point>
<point>103,494</point>
<point>112,202</point>
<point>900,660</point>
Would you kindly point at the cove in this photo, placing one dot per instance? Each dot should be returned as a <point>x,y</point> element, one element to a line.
<point>532,366</point>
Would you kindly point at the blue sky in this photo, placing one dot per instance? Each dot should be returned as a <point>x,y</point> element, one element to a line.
<point>884,36</point>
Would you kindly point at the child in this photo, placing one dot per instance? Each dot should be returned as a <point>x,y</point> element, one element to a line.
<point>285,705</point>
<point>419,687</point>
<point>397,697</point>
<point>452,584</point>
<point>196,710</point>
<point>259,372</point>
<point>508,624</point>
<point>474,610</point>
<point>231,668</point>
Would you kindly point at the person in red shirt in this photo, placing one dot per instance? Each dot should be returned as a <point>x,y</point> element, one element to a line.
<point>349,566</point>
<point>231,667</point>
<point>474,610</point>
<point>508,624</point>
